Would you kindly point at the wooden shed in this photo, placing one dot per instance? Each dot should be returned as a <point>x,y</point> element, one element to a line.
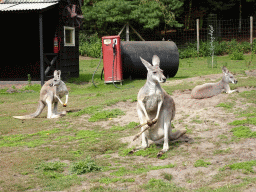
<point>28,31</point>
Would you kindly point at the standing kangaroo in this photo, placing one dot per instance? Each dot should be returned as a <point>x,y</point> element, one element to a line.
<point>211,89</point>
<point>154,103</point>
<point>50,93</point>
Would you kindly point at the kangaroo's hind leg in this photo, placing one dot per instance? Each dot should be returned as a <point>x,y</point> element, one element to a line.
<point>49,106</point>
<point>55,112</point>
<point>144,143</point>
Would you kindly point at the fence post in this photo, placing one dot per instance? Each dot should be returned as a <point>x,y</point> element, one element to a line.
<point>127,32</point>
<point>251,30</point>
<point>197,33</point>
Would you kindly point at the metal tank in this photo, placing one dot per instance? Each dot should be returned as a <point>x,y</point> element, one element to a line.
<point>131,51</point>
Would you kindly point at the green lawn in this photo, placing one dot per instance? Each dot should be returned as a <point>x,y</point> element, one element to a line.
<point>60,154</point>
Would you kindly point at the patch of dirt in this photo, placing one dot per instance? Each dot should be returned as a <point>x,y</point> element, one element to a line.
<point>85,58</point>
<point>206,123</point>
<point>212,77</point>
<point>250,72</point>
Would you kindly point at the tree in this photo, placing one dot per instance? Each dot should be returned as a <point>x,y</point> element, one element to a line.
<point>108,16</point>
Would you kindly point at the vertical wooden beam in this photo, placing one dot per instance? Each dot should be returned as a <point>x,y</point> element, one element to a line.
<point>197,34</point>
<point>41,48</point>
<point>251,30</point>
<point>127,32</point>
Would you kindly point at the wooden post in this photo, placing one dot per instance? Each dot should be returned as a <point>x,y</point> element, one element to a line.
<point>251,30</point>
<point>41,48</point>
<point>136,33</point>
<point>197,33</point>
<point>127,32</point>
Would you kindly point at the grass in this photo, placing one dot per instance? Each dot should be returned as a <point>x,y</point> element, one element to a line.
<point>52,154</point>
<point>201,163</point>
<point>139,169</point>
<point>104,115</point>
<point>243,132</point>
<point>160,185</point>
<point>245,166</point>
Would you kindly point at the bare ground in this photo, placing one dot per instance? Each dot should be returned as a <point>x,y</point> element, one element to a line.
<point>207,124</point>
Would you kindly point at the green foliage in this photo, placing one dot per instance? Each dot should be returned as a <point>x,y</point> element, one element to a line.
<point>103,115</point>
<point>201,163</point>
<point>233,48</point>
<point>84,166</point>
<point>244,121</point>
<point>105,15</point>
<point>236,55</point>
<point>34,87</point>
<point>29,79</point>
<point>246,166</point>
<point>167,176</point>
<point>243,132</point>
<point>51,166</point>
<point>90,45</point>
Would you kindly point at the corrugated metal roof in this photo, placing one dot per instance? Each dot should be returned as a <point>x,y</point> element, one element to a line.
<point>4,6</point>
<point>25,6</point>
<point>26,1</point>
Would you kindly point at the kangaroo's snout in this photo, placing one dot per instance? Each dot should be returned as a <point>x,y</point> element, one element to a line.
<point>164,80</point>
<point>235,81</point>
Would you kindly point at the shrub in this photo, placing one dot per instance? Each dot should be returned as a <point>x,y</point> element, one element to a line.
<point>233,48</point>
<point>90,45</point>
<point>84,166</point>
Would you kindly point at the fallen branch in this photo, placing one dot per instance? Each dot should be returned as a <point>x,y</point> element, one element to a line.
<point>149,123</point>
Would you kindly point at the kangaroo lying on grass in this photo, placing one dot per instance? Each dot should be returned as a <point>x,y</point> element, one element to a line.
<point>154,103</point>
<point>211,89</point>
<point>50,93</point>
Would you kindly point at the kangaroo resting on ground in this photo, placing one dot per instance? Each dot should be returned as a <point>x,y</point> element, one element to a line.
<point>50,93</point>
<point>211,89</point>
<point>155,105</point>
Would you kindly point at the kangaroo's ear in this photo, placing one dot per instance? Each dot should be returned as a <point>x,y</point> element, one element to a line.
<point>146,64</point>
<point>224,69</point>
<point>59,71</point>
<point>156,61</point>
<point>55,72</point>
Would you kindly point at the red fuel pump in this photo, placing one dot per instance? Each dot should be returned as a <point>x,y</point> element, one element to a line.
<point>112,62</point>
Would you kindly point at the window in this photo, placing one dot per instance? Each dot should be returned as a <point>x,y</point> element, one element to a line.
<point>69,36</point>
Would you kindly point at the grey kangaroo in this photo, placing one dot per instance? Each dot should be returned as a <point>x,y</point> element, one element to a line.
<point>155,105</point>
<point>50,93</point>
<point>211,89</point>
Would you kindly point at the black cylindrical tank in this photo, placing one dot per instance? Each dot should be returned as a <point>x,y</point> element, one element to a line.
<point>131,52</point>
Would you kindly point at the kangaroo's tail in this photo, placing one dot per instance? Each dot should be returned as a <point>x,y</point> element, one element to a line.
<point>39,110</point>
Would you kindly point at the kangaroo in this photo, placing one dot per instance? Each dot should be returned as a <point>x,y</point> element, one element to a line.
<point>154,103</point>
<point>50,93</point>
<point>211,89</point>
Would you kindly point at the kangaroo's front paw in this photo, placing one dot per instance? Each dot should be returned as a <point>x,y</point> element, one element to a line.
<point>151,122</point>
<point>237,91</point>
